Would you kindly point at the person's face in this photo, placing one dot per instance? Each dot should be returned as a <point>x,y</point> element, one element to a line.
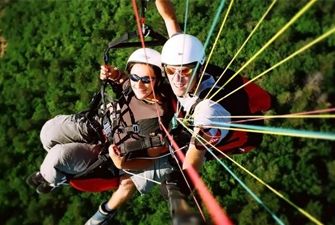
<point>140,77</point>
<point>180,78</point>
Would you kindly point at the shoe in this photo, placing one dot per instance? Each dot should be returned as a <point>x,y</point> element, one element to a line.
<point>44,188</point>
<point>35,179</point>
<point>101,217</point>
<point>37,182</point>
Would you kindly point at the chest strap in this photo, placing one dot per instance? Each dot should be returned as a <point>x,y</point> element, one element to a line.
<point>111,120</point>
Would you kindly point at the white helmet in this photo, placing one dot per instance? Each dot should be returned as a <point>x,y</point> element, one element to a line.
<point>147,56</point>
<point>183,49</point>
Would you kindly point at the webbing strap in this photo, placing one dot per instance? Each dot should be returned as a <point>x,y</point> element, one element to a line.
<point>123,41</point>
<point>101,159</point>
<point>142,144</point>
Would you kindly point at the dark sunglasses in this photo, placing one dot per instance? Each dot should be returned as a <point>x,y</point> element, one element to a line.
<point>145,79</point>
<point>184,70</point>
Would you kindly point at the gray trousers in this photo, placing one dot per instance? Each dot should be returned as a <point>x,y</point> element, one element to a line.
<point>72,146</point>
<point>157,172</point>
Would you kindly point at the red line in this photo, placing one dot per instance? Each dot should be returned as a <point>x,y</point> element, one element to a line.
<point>138,22</point>
<point>218,215</point>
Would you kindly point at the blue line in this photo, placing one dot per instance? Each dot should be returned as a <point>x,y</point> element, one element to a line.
<point>282,131</point>
<point>211,30</point>
<point>186,15</point>
<point>216,18</point>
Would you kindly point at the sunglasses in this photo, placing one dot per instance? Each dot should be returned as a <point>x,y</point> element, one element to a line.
<point>145,79</point>
<point>185,70</point>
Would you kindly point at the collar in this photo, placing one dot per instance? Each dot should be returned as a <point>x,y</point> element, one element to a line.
<point>190,98</point>
<point>206,83</point>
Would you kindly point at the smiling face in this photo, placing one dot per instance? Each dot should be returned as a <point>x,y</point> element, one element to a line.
<point>140,77</point>
<point>180,77</point>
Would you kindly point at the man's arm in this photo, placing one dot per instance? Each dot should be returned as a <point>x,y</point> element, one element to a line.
<point>207,114</point>
<point>194,157</point>
<point>167,12</point>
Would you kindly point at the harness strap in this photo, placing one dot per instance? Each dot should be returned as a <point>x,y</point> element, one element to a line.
<point>134,128</point>
<point>103,158</point>
<point>109,126</point>
<point>140,145</point>
<point>194,105</point>
<point>97,128</point>
<point>128,94</point>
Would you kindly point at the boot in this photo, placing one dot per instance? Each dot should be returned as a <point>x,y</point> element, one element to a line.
<point>37,182</point>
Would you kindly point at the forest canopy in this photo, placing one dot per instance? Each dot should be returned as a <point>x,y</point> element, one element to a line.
<point>50,56</point>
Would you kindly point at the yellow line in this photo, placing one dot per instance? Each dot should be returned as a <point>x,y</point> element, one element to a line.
<point>215,43</point>
<point>331,31</point>
<point>287,25</point>
<point>242,46</point>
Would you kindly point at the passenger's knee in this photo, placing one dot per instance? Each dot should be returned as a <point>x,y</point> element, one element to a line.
<point>49,134</point>
<point>45,138</point>
<point>55,131</point>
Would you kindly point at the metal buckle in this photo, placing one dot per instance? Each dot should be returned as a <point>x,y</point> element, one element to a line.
<point>136,128</point>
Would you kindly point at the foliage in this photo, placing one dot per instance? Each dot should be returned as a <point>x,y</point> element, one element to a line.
<point>49,65</point>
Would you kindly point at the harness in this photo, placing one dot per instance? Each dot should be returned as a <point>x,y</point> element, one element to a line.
<point>136,130</point>
<point>110,111</point>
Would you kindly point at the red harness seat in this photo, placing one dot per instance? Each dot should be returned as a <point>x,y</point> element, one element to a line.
<point>95,184</point>
<point>259,101</point>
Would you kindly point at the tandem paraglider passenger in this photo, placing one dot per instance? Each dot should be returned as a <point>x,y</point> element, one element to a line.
<point>126,129</point>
